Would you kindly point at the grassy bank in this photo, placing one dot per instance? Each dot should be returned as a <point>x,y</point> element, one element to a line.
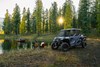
<point>46,37</point>
<point>75,57</point>
<point>17,36</point>
<point>31,36</point>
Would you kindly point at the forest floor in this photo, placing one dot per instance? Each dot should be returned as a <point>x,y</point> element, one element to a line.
<point>46,57</point>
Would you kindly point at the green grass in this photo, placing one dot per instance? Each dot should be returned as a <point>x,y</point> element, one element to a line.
<point>46,38</point>
<point>46,57</point>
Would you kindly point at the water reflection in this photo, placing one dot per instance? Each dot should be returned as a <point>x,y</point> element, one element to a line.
<point>7,45</point>
<point>1,51</point>
<point>16,44</point>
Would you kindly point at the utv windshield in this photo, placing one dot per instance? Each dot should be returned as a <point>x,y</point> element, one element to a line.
<point>72,32</point>
<point>68,33</point>
<point>61,34</point>
<point>64,33</point>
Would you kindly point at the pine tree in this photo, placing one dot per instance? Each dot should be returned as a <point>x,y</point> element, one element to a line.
<point>50,20</point>
<point>93,17</point>
<point>43,21</point>
<point>98,16</point>
<point>16,19</point>
<point>28,27</point>
<point>83,16</point>
<point>23,22</point>
<point>38,16</point>
<point>33,22</point>
<point>64,8</point>
<point>46,20</point>
<point>46,26</point>
<point>7,24</point>
<point>60,15</point>
<point>74,22</point>
<point>54,12</point>
<point>68,14</point>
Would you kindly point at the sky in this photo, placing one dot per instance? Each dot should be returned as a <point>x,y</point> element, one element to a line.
<point>10,4</point>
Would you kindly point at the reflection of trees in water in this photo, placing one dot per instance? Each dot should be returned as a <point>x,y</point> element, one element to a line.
<point>28,44</point>
<point>11,44</point>
<point>6,45</point>
<point>24,44</point>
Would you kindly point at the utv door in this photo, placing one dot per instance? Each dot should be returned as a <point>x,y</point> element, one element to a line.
<point>75,40</point>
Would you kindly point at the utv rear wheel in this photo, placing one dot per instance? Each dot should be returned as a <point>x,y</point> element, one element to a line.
<point>54,46</point>
<point>64,46</point>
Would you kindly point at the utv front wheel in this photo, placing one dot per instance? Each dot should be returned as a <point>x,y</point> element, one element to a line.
<point>64,46</point>
<point>54,46</point>
<point>84,45</point>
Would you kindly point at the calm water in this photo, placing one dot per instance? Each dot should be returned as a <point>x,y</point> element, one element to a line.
<point>7,45</point>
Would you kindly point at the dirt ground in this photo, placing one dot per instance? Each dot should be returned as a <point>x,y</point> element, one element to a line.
<point>75,57</point>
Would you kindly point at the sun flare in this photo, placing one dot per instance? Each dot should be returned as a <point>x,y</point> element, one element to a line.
<point>60,20</point>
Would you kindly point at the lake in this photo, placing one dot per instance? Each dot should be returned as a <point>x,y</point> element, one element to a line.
<point>13,44</point>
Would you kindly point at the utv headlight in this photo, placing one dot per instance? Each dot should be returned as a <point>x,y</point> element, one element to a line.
<point>54,39</point>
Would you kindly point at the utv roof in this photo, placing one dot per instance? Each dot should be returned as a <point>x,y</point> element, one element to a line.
<point>72,29</point>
